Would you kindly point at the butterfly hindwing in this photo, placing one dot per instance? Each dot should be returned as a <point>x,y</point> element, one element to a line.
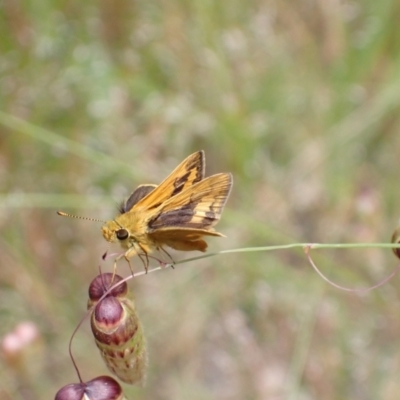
<point>138,194</point>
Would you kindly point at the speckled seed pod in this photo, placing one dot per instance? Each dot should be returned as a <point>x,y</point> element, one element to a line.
<point>101,388</point>
<point>117,329</point>
<point>396,240</point>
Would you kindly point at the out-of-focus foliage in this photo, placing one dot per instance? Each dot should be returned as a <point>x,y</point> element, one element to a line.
<point>300,100</point>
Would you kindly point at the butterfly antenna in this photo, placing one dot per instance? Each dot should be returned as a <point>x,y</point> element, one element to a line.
<point>63,214</point>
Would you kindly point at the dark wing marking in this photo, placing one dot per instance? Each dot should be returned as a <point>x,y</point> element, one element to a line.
<point>176,233</point>
<point>198,207</point>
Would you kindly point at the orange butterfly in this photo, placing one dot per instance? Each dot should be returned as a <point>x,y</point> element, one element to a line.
<point>178,213</point>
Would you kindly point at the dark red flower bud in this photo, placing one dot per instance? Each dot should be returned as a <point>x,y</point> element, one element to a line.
<point>100,388</point>
<point>117,330</point>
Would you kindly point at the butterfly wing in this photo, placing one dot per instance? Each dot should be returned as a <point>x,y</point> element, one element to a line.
<point>184,219</point>
<point>189,172</point>
<point>184,239</point>
<point>138,194</point>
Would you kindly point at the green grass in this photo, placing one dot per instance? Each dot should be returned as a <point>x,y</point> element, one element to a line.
<point>299,100</point>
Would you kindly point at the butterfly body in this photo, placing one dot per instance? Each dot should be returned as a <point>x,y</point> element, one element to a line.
<point>178,213</point>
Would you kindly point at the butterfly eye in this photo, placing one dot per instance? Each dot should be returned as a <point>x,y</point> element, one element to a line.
<point>122,234</point>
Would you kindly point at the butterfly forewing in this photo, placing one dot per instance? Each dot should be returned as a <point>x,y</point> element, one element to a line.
<point>187,173</point>
<point>198,207</point>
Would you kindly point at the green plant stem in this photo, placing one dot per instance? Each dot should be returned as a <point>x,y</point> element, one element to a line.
<point>311,246</point>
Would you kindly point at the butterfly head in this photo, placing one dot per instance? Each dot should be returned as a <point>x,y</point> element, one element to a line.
<point>113,232</point>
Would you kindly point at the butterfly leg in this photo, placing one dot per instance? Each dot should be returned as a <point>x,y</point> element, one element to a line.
<point>145,261</point>
<point>128,255</point>
<point>115,266</point>
<point>132,251</point>
<point>169,255</point>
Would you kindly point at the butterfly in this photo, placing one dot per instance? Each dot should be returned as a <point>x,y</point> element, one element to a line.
<point>178,213</point>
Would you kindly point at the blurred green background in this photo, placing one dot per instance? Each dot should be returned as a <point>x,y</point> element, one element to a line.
<point>300,100</point>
